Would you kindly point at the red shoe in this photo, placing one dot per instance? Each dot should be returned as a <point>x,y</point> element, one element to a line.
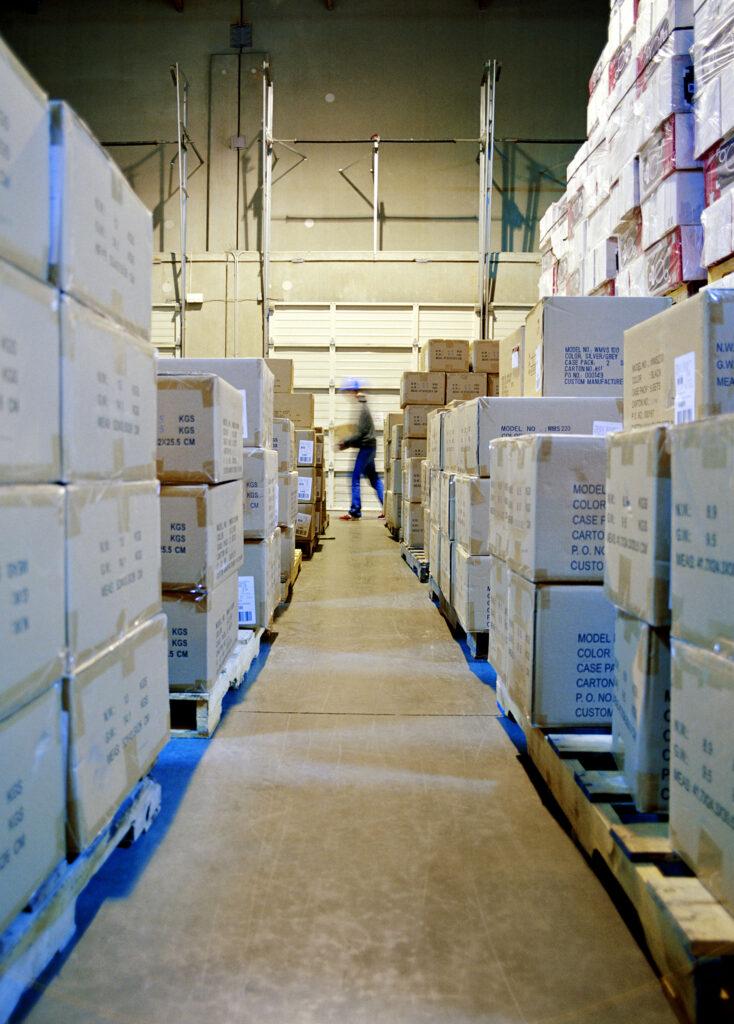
<point>348,518</point>
<point>381,515</point>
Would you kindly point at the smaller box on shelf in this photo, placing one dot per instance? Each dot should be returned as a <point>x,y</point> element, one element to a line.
<point>444,354</point>
<point>201,534</point>
<point>202,630</point>
<point>418,388</point>
<point>199,429</point>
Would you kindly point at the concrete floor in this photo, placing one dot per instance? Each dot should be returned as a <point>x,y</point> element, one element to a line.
<point>358,844</point>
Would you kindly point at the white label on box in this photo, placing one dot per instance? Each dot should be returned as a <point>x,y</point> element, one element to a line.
<point>304,488</point>
<point>246,600</point>
<point>603,427</point>
<point>685,387</point>
<point>305,453</point>
<point>539,368</point>
<point>516,357</point>
<point>245,431</point>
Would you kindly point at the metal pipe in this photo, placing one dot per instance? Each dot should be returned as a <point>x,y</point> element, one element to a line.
<point>267,184</point>
<point>375,194</point>
<point>366,142</point>
<point>181,112</point>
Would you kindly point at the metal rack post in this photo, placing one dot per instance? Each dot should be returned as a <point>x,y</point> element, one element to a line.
<point>267,192</point>
<point>486,168</point>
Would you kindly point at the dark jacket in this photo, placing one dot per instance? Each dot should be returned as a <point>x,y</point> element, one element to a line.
<point>365,436</point>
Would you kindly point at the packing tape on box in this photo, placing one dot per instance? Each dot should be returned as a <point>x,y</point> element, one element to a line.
<point>206,384</point>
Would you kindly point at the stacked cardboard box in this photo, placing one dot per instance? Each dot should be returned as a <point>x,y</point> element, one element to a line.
<point>672,472</point>
<point>629,222</point>
<point>310,444</point>
<point>284,443</point>
<point>393,440</point>
<point>260,570</point>
<point>200,465</point>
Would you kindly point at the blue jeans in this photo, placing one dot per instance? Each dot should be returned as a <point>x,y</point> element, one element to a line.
<point>364,465</point>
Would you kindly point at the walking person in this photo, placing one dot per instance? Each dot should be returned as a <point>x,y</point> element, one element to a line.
<point>366,443</point>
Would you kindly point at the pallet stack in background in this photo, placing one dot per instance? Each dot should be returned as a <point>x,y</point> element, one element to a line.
<point>284,443</point>
<point>393,500</point>
<point>200,468</point>
<point>630,221</point>
<point>670,553</point>
<point>79,509</point>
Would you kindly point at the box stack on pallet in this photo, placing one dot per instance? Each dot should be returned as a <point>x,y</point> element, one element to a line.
<point>393,501</point>
<point>312,517</point>
<point>82,633</point>
<point>629,222</point>
<point>284,443</point>
<point>670,534</point>
<point>200,468</point>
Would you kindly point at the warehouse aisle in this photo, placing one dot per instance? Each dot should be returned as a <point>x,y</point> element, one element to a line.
<point>359,843</point>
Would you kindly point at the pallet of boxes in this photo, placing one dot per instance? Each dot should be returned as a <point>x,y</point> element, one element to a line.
<point>670,575</point>
<point>468,371</point>
<point>215,427</point>
<point>83,691</point>
<point>393,497</point>
<point>309,449</point>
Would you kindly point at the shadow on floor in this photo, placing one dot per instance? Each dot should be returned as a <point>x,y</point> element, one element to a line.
<point>117,878</point>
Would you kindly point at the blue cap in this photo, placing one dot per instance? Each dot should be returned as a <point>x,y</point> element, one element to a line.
<point>350,384</point>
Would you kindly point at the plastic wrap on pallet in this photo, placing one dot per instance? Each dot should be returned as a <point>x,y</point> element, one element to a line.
<point>603,266</point>
<point>625,136</point>
<point>598,90</point>
<point>678,199</point>
<point>576,210</point>
<point>622,71</point>
<point>674,260</point>
<point>576,280</point>
<point>665,86</point>
<point>631,280</point>
<point>669,149</point>
<point>629,239</point>
<point>624,196</point>
<point>718,229</point>
<point>713,61</point>
<point>656,23</point>
<point>718,170</point>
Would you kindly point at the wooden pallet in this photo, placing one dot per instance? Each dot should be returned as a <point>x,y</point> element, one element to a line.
<point>307,547</point>
<point>394,531</point>
<point>48,924</point>
<point>287,585</point>
<point>720,270</point>
<point>416,559</point>
<point>689,934</point>
<point>199,714</point>
<point>685,290</point>
<point>477,642</point>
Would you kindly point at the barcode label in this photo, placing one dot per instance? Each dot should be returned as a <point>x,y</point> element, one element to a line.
<point>246,600</point>
<point>685,388</point>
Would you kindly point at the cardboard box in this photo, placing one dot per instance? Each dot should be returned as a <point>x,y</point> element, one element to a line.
<point>702,532</point>
<point>118,724</point>
<point>444,354</point>
<point>30,447</point>
<point>512,363</point>
<point>486,418</point>
<point>434,438</point>
<point>412,480</point>
<point>637,534</point>
<point>425,484</point>
<point>24,168</point>
<point>415,420</point>
<point>436,484</point>
<point>305,448</point>
<point>101,233</point>
<point>447,509</point>
<point>412,523</point>
<point>257,599</point>
<point>471,513</point>
<point>485,356</point>
<point>113,563</point>
<point>282,371</point>
<point>32,627</point>
<point>287,551</point>
<point>32,778</point>
<point>396,440</point>
<point>641,711</point>
<point>553,511</point>
<point>306,522</point>
<point>561,653</point>
<point>320,442</point>
<point>308,478</point>
<point>422,388</point>
<point>573,346</point>
<point>471,590</point>
<point>413,448</point>
<point>434,551</point>
<point>255,383</point>
<point>451,440</point>
<point>701,790</point>
<point>199,429</point>
<point>202,630</point>
<point>678,199</point>
<point>287,498</point>
<point>445,565</point>
<point>673,260</point>
<point>396,477</point>
<point>499,584</point>
<point>462,387</point>
<point>201,535</point>
<point>108,389</point>
<point>260,491</point>
<point>493,385</point>
<point>298,407</point>
<point>679,366</point>
<point>284,443</point>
